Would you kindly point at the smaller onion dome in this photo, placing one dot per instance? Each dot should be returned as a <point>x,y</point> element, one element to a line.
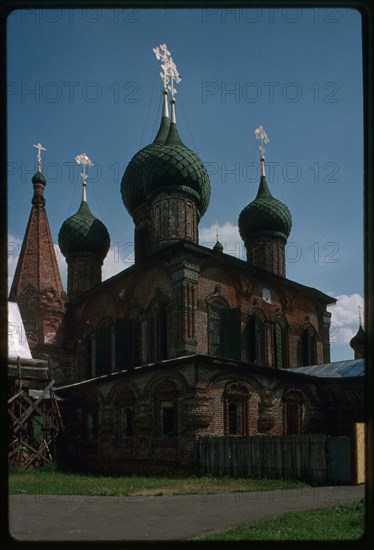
<point>218,247</point>
<point>39,182</point>
<point>83,233</point>
<point>174,167</point>
<point>265,216</point>
<point>39,178</point>
<point>359,339</point>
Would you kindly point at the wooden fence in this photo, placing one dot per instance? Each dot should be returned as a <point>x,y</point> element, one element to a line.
<point>304,457</point>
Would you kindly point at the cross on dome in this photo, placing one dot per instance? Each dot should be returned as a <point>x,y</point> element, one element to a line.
<point>169,74</point>
<point>263,137</point>
<point>40,148</point>
<point>83,159</point>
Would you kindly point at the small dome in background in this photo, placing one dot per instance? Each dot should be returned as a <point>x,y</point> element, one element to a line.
<point>265,216</point>
<point>39,178</point>
<point>83,233</point>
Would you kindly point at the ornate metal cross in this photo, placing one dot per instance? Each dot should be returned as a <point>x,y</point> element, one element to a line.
<point>262,135</point>
<point>83,159</point>
<point>40,148</point>
<point>169,73</point>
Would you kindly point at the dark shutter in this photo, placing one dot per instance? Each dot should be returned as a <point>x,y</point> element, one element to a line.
<point>103,355</point>
<point>124,330</point>
<point>278,346</point>
<point>255,340</point>
<point>88,357</point>
<point>306,347</point>
<point>231,334</point>
<point>161,334</point>
<point>252,339</point>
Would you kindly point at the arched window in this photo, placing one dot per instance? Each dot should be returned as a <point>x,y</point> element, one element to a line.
<point>158,333</point>
<point>166,396</point>
<point>279,351</point>
<point>255,339</point>
<point>293,408</point>
<point>236,409</point>
<point>307,347</point>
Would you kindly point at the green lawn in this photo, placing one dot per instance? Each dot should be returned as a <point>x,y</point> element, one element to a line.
<point>344,522</point>
<point>42,482</point>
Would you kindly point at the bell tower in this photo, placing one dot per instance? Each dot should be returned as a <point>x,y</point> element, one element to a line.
<point>37,286</point>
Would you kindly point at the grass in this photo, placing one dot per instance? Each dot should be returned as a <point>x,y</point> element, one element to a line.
<point>49,482</point>
<point>343,522</point>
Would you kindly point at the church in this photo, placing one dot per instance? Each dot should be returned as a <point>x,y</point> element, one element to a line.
<point>188,341</point>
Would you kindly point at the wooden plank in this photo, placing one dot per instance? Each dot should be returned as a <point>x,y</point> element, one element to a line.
<point>20,393</point>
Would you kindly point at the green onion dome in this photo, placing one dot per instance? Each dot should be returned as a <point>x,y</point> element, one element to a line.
<point>39,178</point>
<point>359,339</point>
<point>174,167</point>
<point>265,216</point>
<point>132,189</point>
<point>83,233</point>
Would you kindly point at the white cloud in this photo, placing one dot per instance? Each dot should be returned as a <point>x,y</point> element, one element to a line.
<point>344,318</point>
<point>228,236</point>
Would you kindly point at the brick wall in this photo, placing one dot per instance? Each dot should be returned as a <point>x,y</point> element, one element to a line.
<point>201,388</point>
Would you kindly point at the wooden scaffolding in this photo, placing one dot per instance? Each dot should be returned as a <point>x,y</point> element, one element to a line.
<point>34,414</point>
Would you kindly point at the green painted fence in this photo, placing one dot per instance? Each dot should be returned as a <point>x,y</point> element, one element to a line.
<point>310,458</point>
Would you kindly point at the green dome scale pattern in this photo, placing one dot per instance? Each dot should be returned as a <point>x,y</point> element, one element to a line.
<point>83,233</point>
<point>174,167</point>
<point>132,187</point>
<point>265,216</point>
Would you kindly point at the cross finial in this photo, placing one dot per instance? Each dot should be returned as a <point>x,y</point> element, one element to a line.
<point>83,159</point>
<point>359,316</point>
<point>169,74</point>
<point>217,230</point>
<point>263,137</point>
<point>40,148</point>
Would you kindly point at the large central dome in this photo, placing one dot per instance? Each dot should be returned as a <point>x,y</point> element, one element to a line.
<point>165,165</point>
<point>174,167</point>
<point>132,188</point>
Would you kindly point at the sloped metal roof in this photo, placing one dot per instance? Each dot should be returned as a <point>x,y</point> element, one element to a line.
<point>352,368</point>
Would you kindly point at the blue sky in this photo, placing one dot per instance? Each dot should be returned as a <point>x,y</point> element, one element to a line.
<point>88,81</point>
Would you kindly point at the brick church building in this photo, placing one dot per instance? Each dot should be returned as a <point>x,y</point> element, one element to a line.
<point>188,341</point>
